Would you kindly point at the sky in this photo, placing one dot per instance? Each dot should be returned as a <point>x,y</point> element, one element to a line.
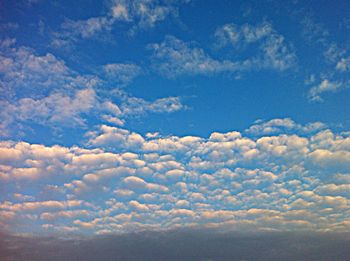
<point>156,115</point>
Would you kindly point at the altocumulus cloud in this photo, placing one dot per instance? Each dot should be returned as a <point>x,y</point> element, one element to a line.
<point>228,181</point>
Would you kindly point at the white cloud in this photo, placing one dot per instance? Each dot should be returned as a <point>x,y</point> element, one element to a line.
<point>273,51</point>
<point>339,159</point>
<point>41,89</point>
<point>140,14</point>
<point>283,125</point>
<point>136,183</point>
<point>86,28</point>
<point>343,64</point>
<point>22,69</point>
<point>114,136</point>
<point>138,106</point>
<point>24,72</point>
<point>174,57</point>
<point>325,86</point>
<point>334,54</point>
<point>120,12</point>
<point>121,72</point>
<point>145,13</point>
<point>63,110</point>
<point>237,35</point>
<point>55,109</point>
<point>160,182</point>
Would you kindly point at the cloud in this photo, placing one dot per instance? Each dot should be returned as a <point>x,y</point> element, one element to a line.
<point>283,125</point>
<point>137,106</point>
<point>331,80</point>
<point>55,109</point>
<point>339,159</point>
<point>86,28</point>
<point>173,57</point>
<point>121,72</point>
<point>235,35</point>
<point>281,181</point>
<point>138,14</point>
<point>272,53</point>
<point>69,111</point>
<point>10,26</point>
<point>343,65</point>
<point>23,71</point>
<point>314,32</point>
<point>42,89</point>
<point>73,31</point>
<point>50,216</point>
<point>136,183</point>
<point>325,86</point>
<point>171,245</point>
<point>145,13</point>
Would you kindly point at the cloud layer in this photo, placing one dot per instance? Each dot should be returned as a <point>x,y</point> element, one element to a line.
<point>228,180</point>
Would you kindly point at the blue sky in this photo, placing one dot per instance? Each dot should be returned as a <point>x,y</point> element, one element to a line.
<point>126,115</point>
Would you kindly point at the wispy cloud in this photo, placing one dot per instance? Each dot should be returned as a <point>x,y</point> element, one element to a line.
<point>23,71</point>
<point>122,73</point>
<point>325,86</point>
<point>273,51</point>
<point>173,57</point>
<point>137,14</point>
<point>145,13</point>
<point>72,111</point>
<point>42,89</point>
<point>285,125</point>
<point>331,79</point>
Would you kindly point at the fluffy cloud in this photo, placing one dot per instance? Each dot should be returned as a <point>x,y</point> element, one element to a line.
<point>227,180</point>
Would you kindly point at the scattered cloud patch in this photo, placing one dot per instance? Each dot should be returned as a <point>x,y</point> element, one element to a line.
<point>273,52</point>
<point>122,73</point>
<point>324,86</point>
<point>138,14</point>
<point>276,126</point>
<point>173,57</point>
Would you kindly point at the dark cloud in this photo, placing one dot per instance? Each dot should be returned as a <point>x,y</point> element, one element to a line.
<point>181,245</point>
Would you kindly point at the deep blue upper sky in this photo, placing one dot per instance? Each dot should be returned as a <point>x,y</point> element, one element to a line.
<point>313,33</point>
